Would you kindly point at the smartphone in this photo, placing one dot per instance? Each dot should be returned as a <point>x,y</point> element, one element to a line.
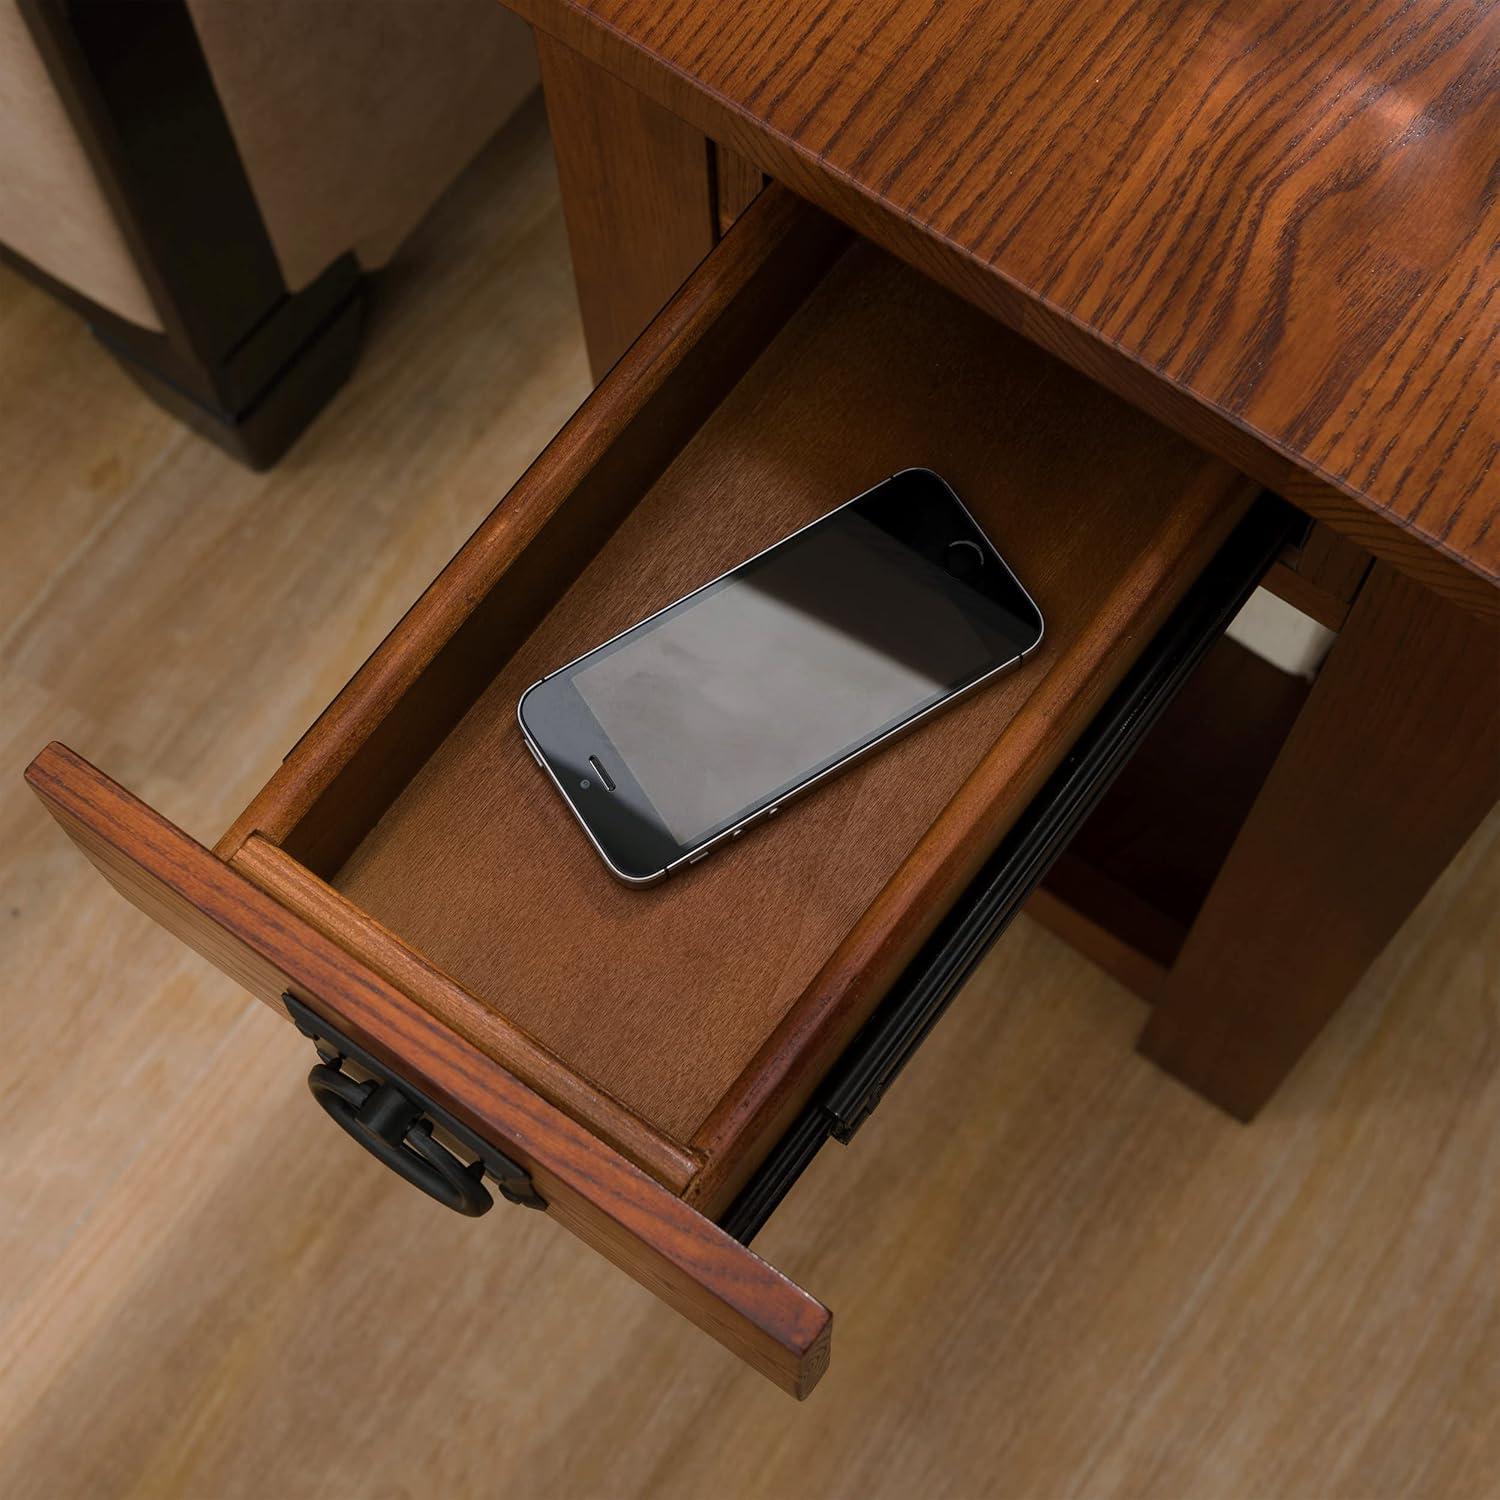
<point>676,735</point>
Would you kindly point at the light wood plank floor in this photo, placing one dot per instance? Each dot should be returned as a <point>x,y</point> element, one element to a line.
<point>1056,1273</point>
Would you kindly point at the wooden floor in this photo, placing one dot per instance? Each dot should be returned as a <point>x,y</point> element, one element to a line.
<point>1055,1272</point>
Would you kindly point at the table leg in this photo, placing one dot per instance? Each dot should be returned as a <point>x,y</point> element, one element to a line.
<point>638,196</point>
<point>1392,763</point>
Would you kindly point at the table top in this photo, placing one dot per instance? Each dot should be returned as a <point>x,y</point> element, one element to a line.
<point>1273,224</point>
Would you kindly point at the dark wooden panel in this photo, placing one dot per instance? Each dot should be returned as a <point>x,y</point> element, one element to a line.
<point>684,1259</point>
<point>1110,925</point>
<point>1132,881</point>
<point>1388,769</point>
<point>638,196</point>
<point>1169,821</point>
<point>1273,226</point>
<point>737,184</point>
<point>1322,576</point>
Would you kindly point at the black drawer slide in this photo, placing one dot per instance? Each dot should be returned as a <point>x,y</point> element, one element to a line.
<point>888,1039</point>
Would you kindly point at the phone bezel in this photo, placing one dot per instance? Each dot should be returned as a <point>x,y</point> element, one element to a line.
<point>621,824</point>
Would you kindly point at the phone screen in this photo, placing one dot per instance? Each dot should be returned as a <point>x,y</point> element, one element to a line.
<point>818,648</point>
<point>795,661</point>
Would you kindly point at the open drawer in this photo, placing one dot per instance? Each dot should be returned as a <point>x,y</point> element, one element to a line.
<point>638,1059</point>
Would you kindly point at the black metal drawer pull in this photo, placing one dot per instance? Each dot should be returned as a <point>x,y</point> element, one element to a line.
<point>391,1128</point>
<point>394,1121</point>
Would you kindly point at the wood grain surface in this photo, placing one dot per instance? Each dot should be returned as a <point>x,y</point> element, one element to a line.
<point>737,183</point>
<point>710,1005</point>
<point>1107,1288</point>
<point>365,745</point>
<point>1321,577</point>
<point>687,1261</point>
<point>296,887</point>
<point>639,193</point>
<point>1416,682</point>
<point>1272,224</point>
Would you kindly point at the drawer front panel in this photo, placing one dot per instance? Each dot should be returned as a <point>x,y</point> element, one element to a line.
<point>688,1262</point>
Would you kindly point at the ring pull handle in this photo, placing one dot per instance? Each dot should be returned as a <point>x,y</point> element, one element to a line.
<point>391,1128</point>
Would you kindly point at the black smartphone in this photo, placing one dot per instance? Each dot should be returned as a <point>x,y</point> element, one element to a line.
<point>680,732</point>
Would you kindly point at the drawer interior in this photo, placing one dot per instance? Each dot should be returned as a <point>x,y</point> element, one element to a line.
<point>702,1010</point>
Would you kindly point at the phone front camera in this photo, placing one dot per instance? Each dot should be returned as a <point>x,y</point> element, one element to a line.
<point>585,784</point>
<point>964,560</point>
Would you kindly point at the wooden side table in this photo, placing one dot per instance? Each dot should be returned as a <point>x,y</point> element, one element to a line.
<point>1273,236</point>
<point>1142,199</point>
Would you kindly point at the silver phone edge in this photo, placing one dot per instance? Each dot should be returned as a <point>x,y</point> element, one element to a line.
<point>698,851</point>
<point>536,755</point>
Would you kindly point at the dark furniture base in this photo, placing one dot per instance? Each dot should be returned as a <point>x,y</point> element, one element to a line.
<point>238,356</point>
<point>261,431</point>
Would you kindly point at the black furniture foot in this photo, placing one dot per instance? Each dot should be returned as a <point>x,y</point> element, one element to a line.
<point>237,355</point>
<point>302,358</point>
